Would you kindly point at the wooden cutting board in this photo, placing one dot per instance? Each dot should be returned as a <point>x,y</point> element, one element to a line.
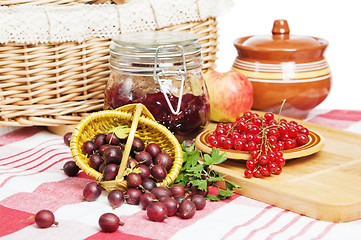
<point>325,185</point>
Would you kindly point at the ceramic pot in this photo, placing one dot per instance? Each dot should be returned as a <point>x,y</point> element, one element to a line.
<point>284,66</point>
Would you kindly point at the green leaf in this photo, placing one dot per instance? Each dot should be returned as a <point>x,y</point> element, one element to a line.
<point>190,159</point>
<point>195,171</point>
<point>179,178</point>
<point>188,149</point>
<point>201,184</point>
<point>217,158</point>
<point>230,185</point>
<point>227,193</point>
<point>208,160</point>
<point>213,197</point>
<point>182,180</point>
<point>121,131</point>
<point>183,145</point>
<point>215,179</point>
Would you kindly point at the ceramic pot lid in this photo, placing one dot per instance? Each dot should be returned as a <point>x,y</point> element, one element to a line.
<point>281,46</point>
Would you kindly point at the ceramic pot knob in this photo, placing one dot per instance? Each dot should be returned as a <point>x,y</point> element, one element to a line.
<point>280,26</point>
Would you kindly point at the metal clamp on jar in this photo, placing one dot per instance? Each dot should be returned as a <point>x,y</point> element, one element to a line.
<point>162,70</point>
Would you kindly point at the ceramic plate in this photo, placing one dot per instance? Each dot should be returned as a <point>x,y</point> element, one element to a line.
<point>314,144</point>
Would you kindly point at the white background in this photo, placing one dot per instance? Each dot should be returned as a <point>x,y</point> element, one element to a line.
<point>337,21</point>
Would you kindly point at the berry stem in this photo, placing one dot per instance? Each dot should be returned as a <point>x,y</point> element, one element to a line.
<point>279,114</point>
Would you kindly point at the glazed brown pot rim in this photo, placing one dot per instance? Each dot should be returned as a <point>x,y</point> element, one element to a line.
<point>239,41</point>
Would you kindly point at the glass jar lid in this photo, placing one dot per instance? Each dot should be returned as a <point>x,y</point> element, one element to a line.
<point>145,44</point>
<point>136,52</point>
<point>149,41</point>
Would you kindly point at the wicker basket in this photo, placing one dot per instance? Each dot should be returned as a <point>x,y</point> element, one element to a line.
<point>58,84</point>
<point>142,123</point>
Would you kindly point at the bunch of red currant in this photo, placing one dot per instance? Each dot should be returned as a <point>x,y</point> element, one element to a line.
<point>264,137</point>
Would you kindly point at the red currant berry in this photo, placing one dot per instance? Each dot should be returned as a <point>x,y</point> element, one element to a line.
<point>273,122</point>
<point>304,131</point>
<point>272,140</point>
<point>285,137</point>
<point>268,116</point>
<point>242,118</point>
<point>249,138</point>
<point>211,138</point>
<point>257,174</point>
<point>293,123</point>
<point>221,139</point>
<point>220,125</point>
<point>274,132</point>
<point>265,172</point>
<point>257,121</point>
<point>299,127</point>
<point>235,135</point>
<point>247,114</point>
<point>272,156</point>
<point>252,146</point>
<point>255,115</point>
<point>254,154</point>
<point>248,127</point>
<point>292,132</point>
<point>251,164</point>
<point>274,147</point>
<point>280,146</point>
<point>278,172</point>
<point>221,131</point>
<point>272,168</point>
<point>263,160</point>
<point>239,145</point>
<point>244,137</point>
<point>248,173</point>
<point>228,143</point>
<point>229,126</point>
<point>282,130</point>
<point>279,154</point>
<point>240,125</point>
<point>280,162</point>
<point>246,146</point>
<point>254,130</point>
<point>290,143</point>
<point>258,138</point>
<point>214,143</point>
<point>301,139</point>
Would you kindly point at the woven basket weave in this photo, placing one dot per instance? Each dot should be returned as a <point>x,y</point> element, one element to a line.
<point>142,123</point>
<point>58,84</point>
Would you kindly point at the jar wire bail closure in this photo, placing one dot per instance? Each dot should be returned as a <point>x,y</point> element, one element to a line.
<point>160,77</point>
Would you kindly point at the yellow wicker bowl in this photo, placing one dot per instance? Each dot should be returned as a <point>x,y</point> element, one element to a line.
<point>146,128</point>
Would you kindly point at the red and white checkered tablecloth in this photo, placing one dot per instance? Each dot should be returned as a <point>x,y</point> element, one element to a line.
<point>31,179</point>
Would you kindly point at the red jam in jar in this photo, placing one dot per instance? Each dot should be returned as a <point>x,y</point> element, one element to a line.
<point>161,70</point>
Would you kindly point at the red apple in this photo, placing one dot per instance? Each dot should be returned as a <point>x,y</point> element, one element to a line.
<point>230,94</point>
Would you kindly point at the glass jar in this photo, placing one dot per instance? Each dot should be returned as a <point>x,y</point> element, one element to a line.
<point>162,70</point>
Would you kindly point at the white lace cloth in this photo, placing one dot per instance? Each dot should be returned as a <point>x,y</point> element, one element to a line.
<point>56,24</point>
